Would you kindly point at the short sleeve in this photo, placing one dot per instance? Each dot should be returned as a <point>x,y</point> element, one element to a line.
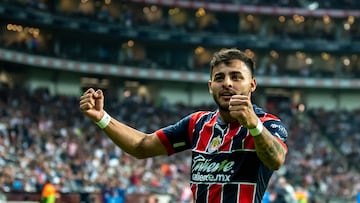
<point>277,128</point>
<point>176,137</point>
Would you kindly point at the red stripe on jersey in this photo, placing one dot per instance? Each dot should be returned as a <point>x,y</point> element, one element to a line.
<point>248,142</point>
<point>214,191</point>
<point>246,193</point>
<point>269,117</point>
<point>283,144</point>
<point>192,123</point>
<point>205,134</point>
<point>165,141</point>
<point>193,189</point>
<point>226,146</point>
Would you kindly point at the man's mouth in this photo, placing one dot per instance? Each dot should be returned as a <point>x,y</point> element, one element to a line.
<point>226,95</point>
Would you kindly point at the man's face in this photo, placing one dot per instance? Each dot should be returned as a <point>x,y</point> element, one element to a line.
<point>228,80</point>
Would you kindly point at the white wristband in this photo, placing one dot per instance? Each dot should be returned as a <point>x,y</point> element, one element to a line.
<point>104,121</point>
<point>257,130</point>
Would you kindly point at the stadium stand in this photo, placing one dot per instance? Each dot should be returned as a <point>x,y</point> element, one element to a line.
<point>44,136</point>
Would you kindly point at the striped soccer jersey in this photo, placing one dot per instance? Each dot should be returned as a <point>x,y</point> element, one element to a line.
<point>225,167</point>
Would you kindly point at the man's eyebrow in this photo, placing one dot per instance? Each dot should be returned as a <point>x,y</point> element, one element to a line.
<point>236,72</point>
<point>230,73</point>
<point>219,73</point>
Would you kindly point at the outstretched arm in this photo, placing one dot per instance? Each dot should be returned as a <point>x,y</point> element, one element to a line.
<point>132,141</point>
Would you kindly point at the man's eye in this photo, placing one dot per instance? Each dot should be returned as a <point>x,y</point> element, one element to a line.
<point>218,78</point>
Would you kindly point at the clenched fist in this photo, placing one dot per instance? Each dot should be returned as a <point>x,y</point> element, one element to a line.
<point>241,109</point>
<point>92,104</point>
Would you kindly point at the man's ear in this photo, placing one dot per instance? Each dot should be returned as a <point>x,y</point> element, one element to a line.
<point>209,86</point>
<point>253,85</point>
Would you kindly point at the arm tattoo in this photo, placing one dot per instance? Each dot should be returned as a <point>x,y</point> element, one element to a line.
<point>269,150</point>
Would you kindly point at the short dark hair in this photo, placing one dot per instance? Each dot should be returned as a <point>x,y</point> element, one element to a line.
<point>225,55</point>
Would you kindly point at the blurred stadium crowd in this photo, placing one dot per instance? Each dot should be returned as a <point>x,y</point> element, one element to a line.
<point>48,137</point>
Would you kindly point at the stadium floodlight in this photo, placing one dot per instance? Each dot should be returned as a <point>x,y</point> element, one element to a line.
<point>311,5</point>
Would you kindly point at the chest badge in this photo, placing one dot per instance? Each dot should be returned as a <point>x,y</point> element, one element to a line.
<point>215,144</point>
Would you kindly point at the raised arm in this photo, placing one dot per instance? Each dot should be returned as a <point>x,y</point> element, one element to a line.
<point>132,141</point>
<point>270,149</point>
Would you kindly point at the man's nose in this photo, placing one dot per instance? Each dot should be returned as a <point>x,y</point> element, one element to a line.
<point>227,82</point>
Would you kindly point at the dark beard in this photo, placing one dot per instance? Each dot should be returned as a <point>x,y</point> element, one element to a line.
<point>224,108</point>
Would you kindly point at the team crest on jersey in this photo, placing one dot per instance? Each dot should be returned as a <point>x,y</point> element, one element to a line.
<point>215,144</point>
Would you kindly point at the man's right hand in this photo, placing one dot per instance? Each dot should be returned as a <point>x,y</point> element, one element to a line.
<point>92,104</point>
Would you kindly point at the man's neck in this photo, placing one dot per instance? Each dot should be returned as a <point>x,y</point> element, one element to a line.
<point>226,117</point>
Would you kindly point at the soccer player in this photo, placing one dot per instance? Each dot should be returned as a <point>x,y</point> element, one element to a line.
<point>235,148</point>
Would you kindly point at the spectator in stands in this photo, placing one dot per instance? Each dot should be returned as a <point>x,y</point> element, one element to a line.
<point>49,192</point>
<point>285,192</point>
<point>113,192</point>
<point>256,139</point>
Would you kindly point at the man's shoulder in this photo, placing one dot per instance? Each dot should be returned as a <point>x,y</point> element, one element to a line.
<point>203,113</point>
<point>258,110</point>
<point>265,116</point>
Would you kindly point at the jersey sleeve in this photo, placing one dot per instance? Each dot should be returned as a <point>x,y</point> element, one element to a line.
<point>276,128</point>
<point>176,137</point>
